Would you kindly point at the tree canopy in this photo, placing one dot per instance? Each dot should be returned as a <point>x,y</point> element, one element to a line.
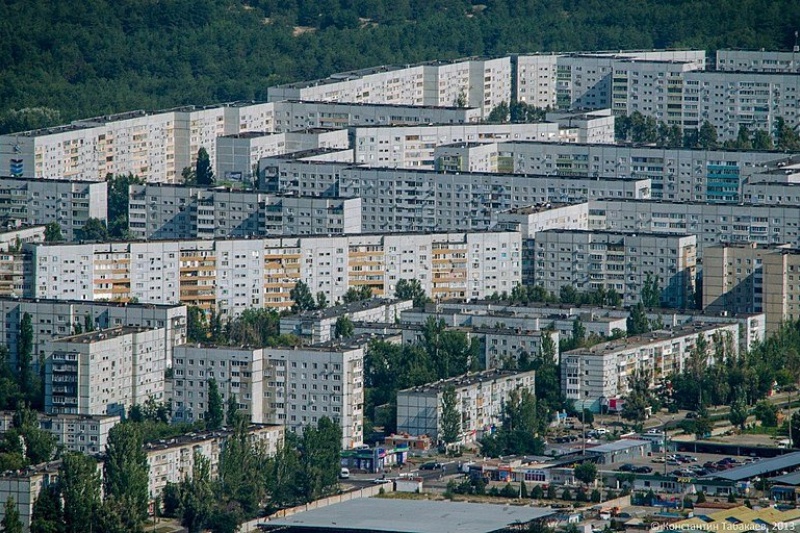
<point>96,57</point>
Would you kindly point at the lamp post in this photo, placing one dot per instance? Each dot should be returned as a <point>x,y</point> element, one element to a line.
<point>664,439</point>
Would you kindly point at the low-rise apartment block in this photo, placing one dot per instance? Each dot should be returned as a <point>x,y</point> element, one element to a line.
<point>172,460</point>
<point>76,433</point>
<point>178,212</point>
<point>25,485</point>
<point>602,321</point>
<point>104,372</point>
<point>294,387</point>
<point>591,260</point>
<point>748,278</point>
<point>27,202</point>
<point>319,326</point>
<point>52,319</point>
<point>480,399</point>
<point>597,378</point>
<point>232,275</point>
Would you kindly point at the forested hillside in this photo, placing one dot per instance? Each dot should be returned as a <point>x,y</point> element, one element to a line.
<point>77,59</point>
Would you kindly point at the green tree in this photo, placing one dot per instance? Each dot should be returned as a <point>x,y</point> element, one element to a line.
<point>214,415</point>
<point>322,300</point>
<point>79,480</point>
<point>357,294</point>
<point>126,474</point>
<point>25,351</point>
<point>795,430</point>
<point>639,397</point>
<point>52,232</point>
<point>241,479</point>
<point>568,294</point>
<point>320,448</point>
<point>500,113</point>
<point>762,140</point>
<point>411,290</point>
<point>651,293</point>
<point>232,411</point>
<point>93,230</point>
<point>766,413</point>
<point>786,138</point>
<point>196,326</point>
<point>739,413</point>
<point>586,472</point>
<point>637,322</point>
<point>48,514</point>
<point>11,522</point>
<point>197,496</point>
<point>302,298</point>
<point>451,417</point>
<point>203,172</point>
<point>707,136</point>
<point>189,176</point>
<point>343,328</point>
<point>118,203</point>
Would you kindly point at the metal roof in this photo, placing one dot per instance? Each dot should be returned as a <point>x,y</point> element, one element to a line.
<point>411,516</point>
<point>765,466</point>
<point>617,446</point>
<point>788,479</point>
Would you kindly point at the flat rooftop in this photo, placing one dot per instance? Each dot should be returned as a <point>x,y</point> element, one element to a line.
<point>465,380</point>
<point>200,436</point>
<point>637,341</point>
<point>537,208</point>
<point>343,309</point>
<point>409,516</point>
<point>102,334</point>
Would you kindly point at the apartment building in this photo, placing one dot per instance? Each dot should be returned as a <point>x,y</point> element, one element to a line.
<point>598,320</point>
<point>758,61</point>
<point>479,400</point>
<point>104,372</point>
<point>532,219</point>
<point>52,319</point>
<point>24,486</point>
<point>423,200</point>
<point>291,115</point>
<point>232,275</point>
<point>294,387</point>
<point>26,202</point>
<point>470,157</point>
<point>590,127</point>
<point>238,371</point>
<point>710,223</point>
<point>319,325</point>
<point>748,278</point>
<point>478,83</point>
<point>172,460</point>
<point>676,174</point>
<point>156,146</point>
<point>414,146</point>
<point>557,321</point>
<point>590,260</point>
<point>177,212</point>
<point>238,154</point>
<point>582,80</point>
<point>76,433</point>
<point>597,378</point>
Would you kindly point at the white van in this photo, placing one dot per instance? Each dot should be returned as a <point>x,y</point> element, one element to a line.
<point>344,474</point>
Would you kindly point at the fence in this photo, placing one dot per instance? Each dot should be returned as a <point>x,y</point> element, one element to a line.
<point>366,492</point>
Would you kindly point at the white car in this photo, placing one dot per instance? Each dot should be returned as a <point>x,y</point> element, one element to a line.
<point>601,431</point>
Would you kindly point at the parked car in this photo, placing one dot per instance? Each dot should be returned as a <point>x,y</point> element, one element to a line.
<point>658,460</point>
<point>344,473</point>
<point>691,415</point>
<point>643,470</point>
<point>627,468</point>
<point>431,466</point>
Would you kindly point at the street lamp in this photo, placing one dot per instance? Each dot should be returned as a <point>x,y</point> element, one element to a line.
<point>664,439</point>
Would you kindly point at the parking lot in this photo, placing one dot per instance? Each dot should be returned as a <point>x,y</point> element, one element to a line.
<point>679,464</point>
